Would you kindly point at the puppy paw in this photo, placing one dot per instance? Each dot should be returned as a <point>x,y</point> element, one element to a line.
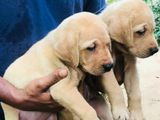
<point>136,115</point>
<point>120,113</point>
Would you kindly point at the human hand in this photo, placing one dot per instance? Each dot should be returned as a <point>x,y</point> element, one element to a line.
<point>35,95</point>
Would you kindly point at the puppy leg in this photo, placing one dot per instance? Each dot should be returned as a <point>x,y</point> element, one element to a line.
<point>66,93</point>
<point>115,95</point>
<point>131,83</point>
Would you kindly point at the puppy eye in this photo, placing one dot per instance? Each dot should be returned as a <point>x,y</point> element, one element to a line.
<point>91,48</point>
<point>141,32</point>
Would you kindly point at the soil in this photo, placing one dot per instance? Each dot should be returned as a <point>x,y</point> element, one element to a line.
<point>149,73</point>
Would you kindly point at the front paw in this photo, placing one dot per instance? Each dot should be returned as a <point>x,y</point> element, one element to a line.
<point>120,113</point>
<point>136,115</point>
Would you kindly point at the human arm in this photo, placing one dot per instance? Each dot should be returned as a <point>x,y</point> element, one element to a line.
<point>34,96</point>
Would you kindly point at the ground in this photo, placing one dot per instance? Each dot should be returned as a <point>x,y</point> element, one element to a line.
<point>149,73</point>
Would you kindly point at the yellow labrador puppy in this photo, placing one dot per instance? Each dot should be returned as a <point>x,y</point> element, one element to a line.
<point>131,28</point>
<point>80,44</point>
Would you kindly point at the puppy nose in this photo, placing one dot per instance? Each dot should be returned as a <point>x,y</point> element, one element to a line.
<point>107,67</point>
<point>153,50</point>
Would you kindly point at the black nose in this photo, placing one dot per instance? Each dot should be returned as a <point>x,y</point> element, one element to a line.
<point>153,50</point>
<point>107,67</point>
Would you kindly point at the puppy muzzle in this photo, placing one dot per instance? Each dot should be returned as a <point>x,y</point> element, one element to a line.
<point>107,67</point>
<point>153,50</point>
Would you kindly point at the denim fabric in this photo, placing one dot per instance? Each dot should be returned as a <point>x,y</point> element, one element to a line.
<point>24,22</point>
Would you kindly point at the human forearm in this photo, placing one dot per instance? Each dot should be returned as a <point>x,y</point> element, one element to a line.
<point>19,99</point>
<point>34,96</point>
<point>8,92</point>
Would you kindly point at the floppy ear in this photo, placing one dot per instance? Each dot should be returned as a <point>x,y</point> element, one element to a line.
<point>66,45</point>
<point>120,29</point>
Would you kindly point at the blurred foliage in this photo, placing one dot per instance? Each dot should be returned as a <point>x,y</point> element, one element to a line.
<point>156,10</point>
<point>111,1</point>
<point>149,2</point>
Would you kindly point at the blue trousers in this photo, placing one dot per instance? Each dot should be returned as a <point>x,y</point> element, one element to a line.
<point>1,113</point>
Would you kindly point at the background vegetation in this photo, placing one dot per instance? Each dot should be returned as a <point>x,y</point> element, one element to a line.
<point>155,6</point>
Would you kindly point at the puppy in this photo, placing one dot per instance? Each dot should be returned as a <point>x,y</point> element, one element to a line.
<point>81,45</point>
<point>131,28</point>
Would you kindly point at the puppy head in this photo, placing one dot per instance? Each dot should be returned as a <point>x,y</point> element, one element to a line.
<point>131,23</point>
<point>95,56</point>
<point>82,40</point>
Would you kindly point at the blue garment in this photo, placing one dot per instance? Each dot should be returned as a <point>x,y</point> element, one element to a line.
<point>24,22</point>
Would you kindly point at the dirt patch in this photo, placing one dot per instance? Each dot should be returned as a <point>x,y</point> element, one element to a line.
<point>149,72</point>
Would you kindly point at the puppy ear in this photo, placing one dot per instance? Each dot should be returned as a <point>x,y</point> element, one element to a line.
<point>120,29</point>
<point>66,45</point>
<point>128,31</point>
